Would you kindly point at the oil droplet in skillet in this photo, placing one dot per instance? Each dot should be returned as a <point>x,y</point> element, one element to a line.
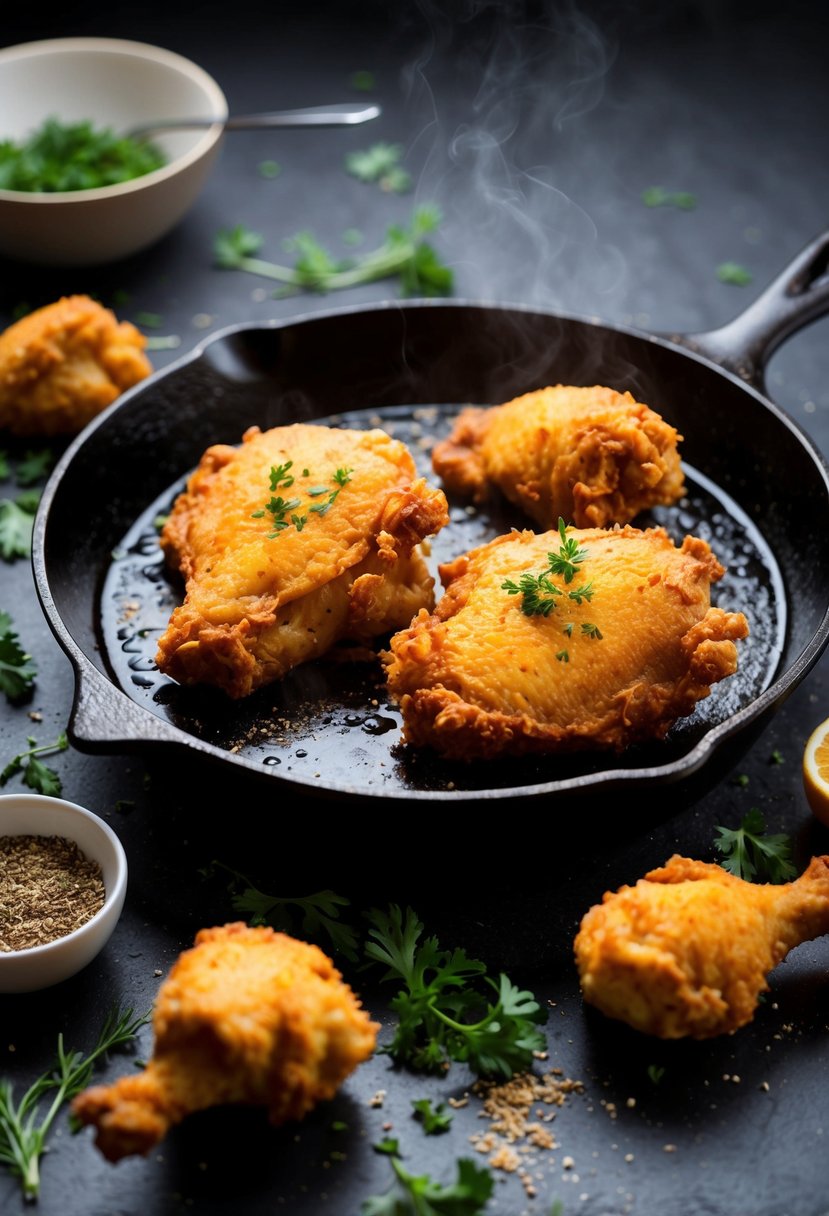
<point>271,761</point>
<point>378,725</point>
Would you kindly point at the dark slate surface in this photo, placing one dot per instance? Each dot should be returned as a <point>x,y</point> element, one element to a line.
<point>535,128</point>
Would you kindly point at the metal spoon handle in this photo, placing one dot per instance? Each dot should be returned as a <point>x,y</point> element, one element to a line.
<point>340,115</point>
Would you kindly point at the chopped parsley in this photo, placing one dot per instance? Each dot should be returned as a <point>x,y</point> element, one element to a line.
<point>74,156</point>
<point>733,272</point>
<point>657,196</point>
<point>381,164</point>
<point>283,511</point>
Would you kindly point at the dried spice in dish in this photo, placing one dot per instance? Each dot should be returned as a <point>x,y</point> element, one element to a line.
<point>48,888</point>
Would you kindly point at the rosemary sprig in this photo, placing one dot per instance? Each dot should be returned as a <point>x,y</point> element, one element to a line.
<point>23,1129</point>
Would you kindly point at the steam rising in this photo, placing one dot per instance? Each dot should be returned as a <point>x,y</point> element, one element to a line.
<point>503,96</point>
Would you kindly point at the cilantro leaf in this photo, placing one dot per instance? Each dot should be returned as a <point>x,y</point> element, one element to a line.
<point>413,1195</point>
<point>748,852</point>
<point>441,1015</point>
<point>74,156</point>
<point>17,672</point>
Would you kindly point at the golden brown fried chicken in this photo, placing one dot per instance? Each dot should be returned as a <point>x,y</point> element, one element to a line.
<point>63,364</point>
<point>686,951</point>
<point>630,644</point>
<point>277,573</point>
<point>590,455</point>
<point>246,1016</point>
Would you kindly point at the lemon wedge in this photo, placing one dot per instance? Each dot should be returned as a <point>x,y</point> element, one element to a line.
<point>816,771</point>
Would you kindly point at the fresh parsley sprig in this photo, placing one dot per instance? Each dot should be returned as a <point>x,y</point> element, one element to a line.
<point>16,525</point>
<point>404,254</point>
<point>23,1128</point>
<point>318,913</point>
<point>441,1015</point>
<point>419,1195</point>
<point>17,671</point>
<point>37,775</point>
<point>539,595</point>
<point>749,852</point>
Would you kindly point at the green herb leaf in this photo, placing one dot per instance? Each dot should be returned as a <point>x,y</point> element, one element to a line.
<point>74,156</point>
<point>16,525</point>
<point>35,773</point>
<point>435,1120</point>
<point>269,169</point>
<point>538,594</point>
<point>656,196</point>
<point>750,853</point>
<point>441,1015</point>
<point>362,80</point>
<point>413,1195</point>
<point>5,468</point>
<point>23,1126</point>
<point>318,914</point>
<point>380,163</point>
<point>33,466</point>
<point>402,255</point>
<point>732,272</point>
<point>17,672</point>
<point>389,1146</point>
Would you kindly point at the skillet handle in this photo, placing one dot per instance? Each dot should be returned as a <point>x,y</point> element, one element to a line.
<point>798,295</point>
<point>104,717</point>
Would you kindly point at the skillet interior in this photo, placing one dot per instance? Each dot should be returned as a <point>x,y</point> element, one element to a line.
<point>756,471</point>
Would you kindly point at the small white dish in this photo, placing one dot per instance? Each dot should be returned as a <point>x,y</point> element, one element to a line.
<point>112,83</point>
<point>39,815</point>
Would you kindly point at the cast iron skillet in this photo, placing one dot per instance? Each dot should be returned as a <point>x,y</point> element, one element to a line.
<point>759,490</point>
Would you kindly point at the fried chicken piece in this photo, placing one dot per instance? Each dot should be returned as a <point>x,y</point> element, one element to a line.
<point>590,455</point>
<point>63,364</point>
<point>630,644</point>
<point>247,1016</point>
<point>266,588</point>
<point>686,951</point>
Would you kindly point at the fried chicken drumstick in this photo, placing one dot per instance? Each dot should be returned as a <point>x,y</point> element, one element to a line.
<point>686,951</point>
<point>591,455</point>
<point>64,363</point>
<point>247,1016</point>
<point>613,655</point>
<point>303,536</point>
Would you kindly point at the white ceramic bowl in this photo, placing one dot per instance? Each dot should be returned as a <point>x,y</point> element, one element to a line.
<point>117,84</point>
<point>38,815</point>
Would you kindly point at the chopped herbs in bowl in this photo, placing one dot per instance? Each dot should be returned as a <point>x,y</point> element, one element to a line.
<point>75,190</point>
<point>74,156</point>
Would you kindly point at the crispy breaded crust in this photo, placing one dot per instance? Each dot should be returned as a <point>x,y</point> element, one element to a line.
<point>249,1016</point>
<point>64,363</point>
<point>258,604</point>
<point>590,455</point>
<point>686,950</point>
<point>478,678</point>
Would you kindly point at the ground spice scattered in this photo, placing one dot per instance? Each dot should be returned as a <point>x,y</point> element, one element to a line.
<point>48,888</point>
<point>509,1106</point>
